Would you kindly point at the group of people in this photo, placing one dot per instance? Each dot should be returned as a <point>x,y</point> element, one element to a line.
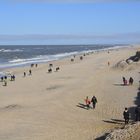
<point>32,65</point>
<point>51,68</point>
<point>126,114</point>
<point>93,101</point>
<point>30,73</point>
<point>129,82</point>
<point>4,79</point>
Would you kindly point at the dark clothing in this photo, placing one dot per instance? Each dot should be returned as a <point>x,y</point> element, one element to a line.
<point>5,77</point>
<point>94,101</point>
<point>131,81</point>
<point>126,116</point>
<point>124,80</point>
<point>2,79</point>
<point>137,113</point>
<point>14,77</point>
<point>30,72</point>
<point>24,74</point>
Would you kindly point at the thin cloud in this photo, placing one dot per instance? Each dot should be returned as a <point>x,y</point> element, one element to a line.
<point>40,37</point>
<point>68,1</point>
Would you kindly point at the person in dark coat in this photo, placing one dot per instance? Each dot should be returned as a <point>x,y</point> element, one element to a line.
<point>131,81</point>
<point>137,113</point>
<point>14,78</point>
<point>24,74</point>
<point>2,79</point>
<point>126,115</point>
<point>30,72</point>
<point>94,101</point>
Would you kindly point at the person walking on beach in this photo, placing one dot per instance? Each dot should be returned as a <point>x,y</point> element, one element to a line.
<point>2,79</point>
<point>137,113</point>
<point>94,101</point>
<point>131,81</point>
<point>87,102</point>
<point>126,115</point>
<point>14,77</point>
<point>30,72</point>
<point>124,80</point>
<point>24,74</point>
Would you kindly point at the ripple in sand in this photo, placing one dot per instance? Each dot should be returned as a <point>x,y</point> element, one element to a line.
<point>54,87</point>
<point>69,77</point>
<point>12,106</point>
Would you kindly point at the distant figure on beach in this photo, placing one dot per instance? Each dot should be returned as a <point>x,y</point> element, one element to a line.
<point>126,115</point>
<point>57,69</point>
<point>87,101</point>
<point>1,79</point>
<point>50,65</point>
<point>124,81</point>
<point>72,59</point>
<point>5,77</point>
<point>94,101</point>
<point>137,113</point>
<point>30,72</point>
<point>36,65</point>
<point>12,77</point>
<point>49,70</point>
<point>24,74</point>
<point>32,65</point>
<point>131,81</point>
<point>81,57</point>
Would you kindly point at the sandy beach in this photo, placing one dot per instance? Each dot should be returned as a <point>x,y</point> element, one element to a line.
<point>48,106</point>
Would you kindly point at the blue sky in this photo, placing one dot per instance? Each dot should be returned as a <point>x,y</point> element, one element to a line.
<point>69,22</point>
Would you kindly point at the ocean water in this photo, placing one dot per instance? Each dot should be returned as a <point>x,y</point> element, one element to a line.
<point>18,55</point>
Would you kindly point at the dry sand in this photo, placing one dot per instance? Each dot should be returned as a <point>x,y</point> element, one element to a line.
<point>46,106</point>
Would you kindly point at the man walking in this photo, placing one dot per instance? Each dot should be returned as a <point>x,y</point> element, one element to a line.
<point>126,115</point>
<point>94,101</point>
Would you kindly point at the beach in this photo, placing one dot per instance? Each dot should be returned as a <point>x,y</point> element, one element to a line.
<point>49,106</point>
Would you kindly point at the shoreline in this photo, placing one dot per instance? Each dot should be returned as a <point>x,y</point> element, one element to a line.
<point>64,56</point>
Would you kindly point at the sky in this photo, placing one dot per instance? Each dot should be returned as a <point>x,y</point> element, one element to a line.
<point>69,22</point>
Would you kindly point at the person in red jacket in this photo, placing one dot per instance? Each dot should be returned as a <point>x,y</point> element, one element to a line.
<point>87,102</point>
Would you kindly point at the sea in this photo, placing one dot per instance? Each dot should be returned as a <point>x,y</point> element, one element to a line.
<point>21,55</point>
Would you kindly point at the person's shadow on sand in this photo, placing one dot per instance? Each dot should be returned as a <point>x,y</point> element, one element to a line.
<point>102,137</point>
<point>114,121</point>
<point>136,102</point>
<point>82,106</point>
<point>119,85</point>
